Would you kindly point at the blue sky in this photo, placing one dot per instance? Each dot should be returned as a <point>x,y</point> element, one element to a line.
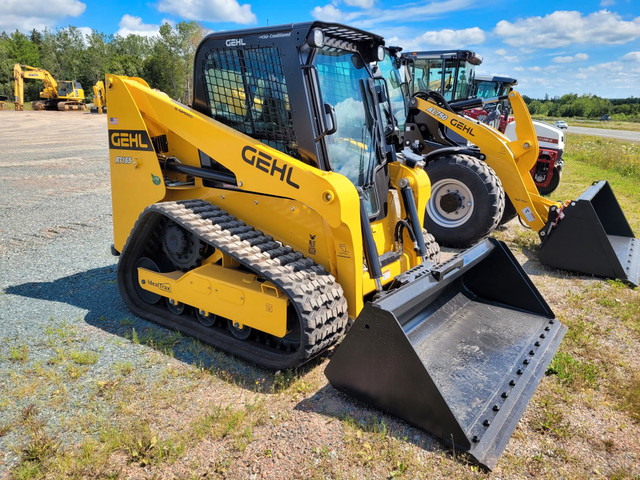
<point>586,47</point>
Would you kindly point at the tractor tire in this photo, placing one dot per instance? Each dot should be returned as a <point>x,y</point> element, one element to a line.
<point>467,200</point>
<point>509,211</point>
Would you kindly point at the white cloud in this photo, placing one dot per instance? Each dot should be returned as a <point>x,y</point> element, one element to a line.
<point>571,58</point>
<point>359,3</point>
<point>563,28</point>
<point>86,31</point>
<point>368,17</point>
<point>130,25</point>
<point>535,69</point>
<point>632,56</point>
<point>38,14</point>
<point>209,10</point>
<point>329,13</point>
<point>449,38</point>
<point>607,3</point>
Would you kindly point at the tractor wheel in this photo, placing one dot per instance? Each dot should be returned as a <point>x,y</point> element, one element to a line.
<point>553,184</point>
<point>509,211</point>
<point>467,200</point>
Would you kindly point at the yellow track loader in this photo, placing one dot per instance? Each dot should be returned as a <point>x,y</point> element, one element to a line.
<point>67,95</point>
<point>588,235</point>
<point>271,219</point>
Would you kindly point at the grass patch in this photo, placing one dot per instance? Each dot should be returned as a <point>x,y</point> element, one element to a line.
<point>123,368</point>
<point>84,358</point>
<point>627,391</point>
<point>19,354</point>
<point>573,372</point>
<point>369,445</point>
<point>37,455</point>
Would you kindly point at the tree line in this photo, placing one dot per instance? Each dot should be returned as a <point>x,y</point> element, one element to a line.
<point>586,106</point>
<point>164,61</point>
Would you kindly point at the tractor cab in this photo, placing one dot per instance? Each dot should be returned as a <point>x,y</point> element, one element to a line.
<point>450,72</point>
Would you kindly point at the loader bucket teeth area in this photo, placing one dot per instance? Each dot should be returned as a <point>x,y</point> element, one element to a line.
<point>457,351</point>
<point>593,237</point>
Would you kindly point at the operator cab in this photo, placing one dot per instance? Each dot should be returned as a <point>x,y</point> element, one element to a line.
<point>450,72</point>
<point>305,89</point>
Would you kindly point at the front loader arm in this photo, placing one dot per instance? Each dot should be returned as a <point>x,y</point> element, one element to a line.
<point>138,113</point>
<point>510,160</point>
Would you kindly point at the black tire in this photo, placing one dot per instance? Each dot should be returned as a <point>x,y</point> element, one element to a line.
<point>553,184</point>
<point>466,203</point>
<point>509,211</point>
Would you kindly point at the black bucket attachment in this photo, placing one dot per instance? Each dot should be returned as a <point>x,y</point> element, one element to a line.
<point>592,236</point>
<point>457,350</point>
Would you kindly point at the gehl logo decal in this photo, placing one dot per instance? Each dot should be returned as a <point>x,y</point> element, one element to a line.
<point>235,42</point>
<point>461,126</point>
<point>267,164</point>
<point>129,140</point>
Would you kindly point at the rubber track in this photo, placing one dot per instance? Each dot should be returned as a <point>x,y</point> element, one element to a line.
<point>316,297</point>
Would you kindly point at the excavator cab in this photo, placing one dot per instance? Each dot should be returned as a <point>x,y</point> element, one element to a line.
<point>273,214</point>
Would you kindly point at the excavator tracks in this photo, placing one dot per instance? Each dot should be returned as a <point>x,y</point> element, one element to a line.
<point>317,317</point>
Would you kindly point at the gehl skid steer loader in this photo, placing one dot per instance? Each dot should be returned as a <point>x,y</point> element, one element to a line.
<point>272,216</point>
<point>588,235</point>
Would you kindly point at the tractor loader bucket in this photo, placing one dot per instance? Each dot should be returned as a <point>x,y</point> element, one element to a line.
<point>592,236</point>
<point>457,350</point>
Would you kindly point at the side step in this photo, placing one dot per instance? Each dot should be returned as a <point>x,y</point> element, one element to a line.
<point>457,350</point>
<point>592,235</point>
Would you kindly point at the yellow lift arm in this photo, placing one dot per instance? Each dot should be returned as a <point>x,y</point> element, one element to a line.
<point>511,160</point>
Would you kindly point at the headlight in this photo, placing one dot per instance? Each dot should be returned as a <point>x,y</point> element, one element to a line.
<point>380,53</point>
<point>316,38</point>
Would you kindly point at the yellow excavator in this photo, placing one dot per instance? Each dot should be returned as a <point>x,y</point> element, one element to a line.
<point>99,98</point>
<point>273,221</point>
<point>587,235</point>
<point>67,95</point>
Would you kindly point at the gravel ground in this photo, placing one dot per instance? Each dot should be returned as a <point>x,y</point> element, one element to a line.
<point>94,377</point>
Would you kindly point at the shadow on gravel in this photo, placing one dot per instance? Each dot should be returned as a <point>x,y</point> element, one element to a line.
<point>96,291</point>
<point>334,404</point>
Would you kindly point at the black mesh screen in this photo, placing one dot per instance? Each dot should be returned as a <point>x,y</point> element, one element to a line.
<point>246,90</point>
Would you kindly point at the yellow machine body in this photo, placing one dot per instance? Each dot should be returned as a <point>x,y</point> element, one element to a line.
<point>223,291</point>
<point>313,211</point>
